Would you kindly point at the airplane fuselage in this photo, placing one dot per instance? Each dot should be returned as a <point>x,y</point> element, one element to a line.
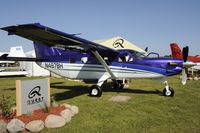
<point>80,65</point>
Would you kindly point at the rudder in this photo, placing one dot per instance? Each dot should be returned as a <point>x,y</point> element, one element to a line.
<point>176,51</point>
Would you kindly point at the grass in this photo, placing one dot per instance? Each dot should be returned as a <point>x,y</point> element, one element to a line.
<point>147,111</point>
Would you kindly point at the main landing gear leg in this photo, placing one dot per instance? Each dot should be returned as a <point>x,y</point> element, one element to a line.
<point>168,91</point>
<point>96,90</point>
<point>120,84</point>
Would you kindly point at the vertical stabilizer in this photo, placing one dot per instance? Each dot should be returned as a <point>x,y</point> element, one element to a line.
<point>176,51</point>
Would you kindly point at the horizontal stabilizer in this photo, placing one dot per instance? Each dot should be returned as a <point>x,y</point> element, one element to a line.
<point>16,54</point>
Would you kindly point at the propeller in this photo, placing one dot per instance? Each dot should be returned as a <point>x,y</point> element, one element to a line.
<point>185,56</point>
<point>185,53</point>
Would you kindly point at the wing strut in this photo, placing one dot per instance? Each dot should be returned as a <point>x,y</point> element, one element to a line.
<point>100,59</point>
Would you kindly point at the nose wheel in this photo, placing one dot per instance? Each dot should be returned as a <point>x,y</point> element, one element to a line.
<point>168,91</point>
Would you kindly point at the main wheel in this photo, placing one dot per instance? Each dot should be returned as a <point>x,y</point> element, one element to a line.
<point>168,93</point>
<point>95,91</point>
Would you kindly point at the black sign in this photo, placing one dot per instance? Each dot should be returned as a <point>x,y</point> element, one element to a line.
<point>35,91</point>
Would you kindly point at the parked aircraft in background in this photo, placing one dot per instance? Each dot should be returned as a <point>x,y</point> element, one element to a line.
<point>16,51</point>
<point>177,53</point>
<point>73,57</point>
<point>12,68</point>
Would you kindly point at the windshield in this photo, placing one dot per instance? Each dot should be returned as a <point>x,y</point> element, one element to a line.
<point>136,54</point>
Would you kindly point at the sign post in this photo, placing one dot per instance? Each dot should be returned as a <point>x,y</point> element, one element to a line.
<point>32,95</point>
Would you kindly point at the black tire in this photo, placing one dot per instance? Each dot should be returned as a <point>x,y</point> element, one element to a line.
<point>171,92</point>
<point>95,91</point>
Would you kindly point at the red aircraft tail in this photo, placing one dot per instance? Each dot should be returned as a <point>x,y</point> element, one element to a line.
<point>176,51</point>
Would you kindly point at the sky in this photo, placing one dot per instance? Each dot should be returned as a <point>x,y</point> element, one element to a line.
<point>146,23</point>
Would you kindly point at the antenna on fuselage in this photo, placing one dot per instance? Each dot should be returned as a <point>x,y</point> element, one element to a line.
<point>146,49</point>
<point>76,34</point>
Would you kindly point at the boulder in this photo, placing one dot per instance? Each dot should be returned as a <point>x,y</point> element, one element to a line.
<point>196,78</point>
<point>35,126</point>
<point>15,125</point>
<point>75,109</point>
<point>190,78</point>
<point>54,121</point>
<point>3,128</point>
<point>67,114</point>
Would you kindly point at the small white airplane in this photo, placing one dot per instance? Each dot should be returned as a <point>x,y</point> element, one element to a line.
<point>73,57</point>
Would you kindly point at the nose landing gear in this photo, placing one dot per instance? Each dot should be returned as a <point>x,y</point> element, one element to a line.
<point>168,91</point>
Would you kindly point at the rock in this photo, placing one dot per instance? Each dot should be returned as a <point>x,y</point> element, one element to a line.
<point>54,121</point>
<point>67,114</point>
<point>65,105</point>
<point>35,126</point>
<point>196,78</point>
<point>3,128</point>
<point>190,78</point>
<point>15,125</point>
<point>75,109</point>
<point>120,98</point>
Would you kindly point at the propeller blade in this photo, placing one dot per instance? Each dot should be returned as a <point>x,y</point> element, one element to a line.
<point>146,49</point>
<point>184,77</point>
<point>185,53</point>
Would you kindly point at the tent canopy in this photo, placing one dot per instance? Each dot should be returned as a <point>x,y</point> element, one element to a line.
<point>119,43</point>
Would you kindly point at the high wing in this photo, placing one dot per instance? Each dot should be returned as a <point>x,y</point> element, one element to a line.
<point>51,37</point>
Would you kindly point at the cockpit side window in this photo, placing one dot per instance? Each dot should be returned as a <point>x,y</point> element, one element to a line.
<point>125,58</point>
<point>121,59</point>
